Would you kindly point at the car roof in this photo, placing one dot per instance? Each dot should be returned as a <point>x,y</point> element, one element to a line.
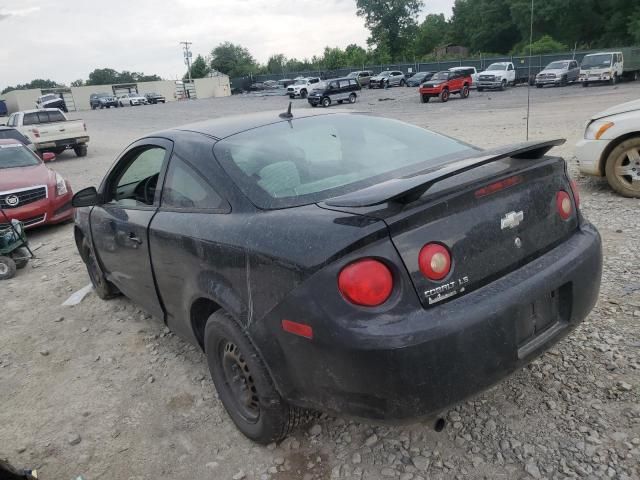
<point>225,126</point>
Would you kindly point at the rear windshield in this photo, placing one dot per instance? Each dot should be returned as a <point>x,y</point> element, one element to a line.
<point>14,134</point>
<point>12,156</point>
<point>313,159</point>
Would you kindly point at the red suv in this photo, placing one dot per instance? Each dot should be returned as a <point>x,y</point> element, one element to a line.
<point>443,84</point>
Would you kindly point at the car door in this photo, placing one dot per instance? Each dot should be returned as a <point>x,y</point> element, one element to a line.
<point>119,225</point>
<point>575,71</point>
<point>333,91</point>
<point>511,73</point>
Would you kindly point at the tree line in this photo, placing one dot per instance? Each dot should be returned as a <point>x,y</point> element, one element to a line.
<point>487,27</point>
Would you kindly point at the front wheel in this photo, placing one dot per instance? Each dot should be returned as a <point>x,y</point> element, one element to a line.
<point>614,79</point>
<point>352,98</point>
<point>424,98</point>
<point>103,287</point>
<point>464,93</point>
<point>503,85</point>
<point>326,101</point>
<point>623,168</point>
<point>244,384</point>
<point>564,82</point>
<point>444,96</point>
<point>303,93</point>
<point>403,83</point>
<point>7,268</point>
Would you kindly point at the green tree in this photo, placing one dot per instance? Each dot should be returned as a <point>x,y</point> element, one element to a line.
<point>103,76</point>
<point>77,83</point>
<point>355,56</point>
<point>333,58</point>
<point>544,44</point>
<point>276,63</point>
<point>233,60</point>
<point>391,23</point>
<point>199,68</point>
<point>432,33</point>
<point>37,83</point>
<point>633,27</point>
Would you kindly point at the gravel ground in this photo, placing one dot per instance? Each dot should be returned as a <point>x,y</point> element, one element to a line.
<point>105,391</point>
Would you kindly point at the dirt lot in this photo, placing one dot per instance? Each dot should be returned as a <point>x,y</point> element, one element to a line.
<point>104,391</point>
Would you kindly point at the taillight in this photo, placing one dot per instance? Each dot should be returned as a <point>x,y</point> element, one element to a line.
<point>434,261</point>
<point>563,203</point>
<point>576,193</point>
<point>366,282</point>
<point>497,186</point>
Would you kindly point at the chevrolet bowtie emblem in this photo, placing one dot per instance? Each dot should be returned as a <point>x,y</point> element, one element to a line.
<point>511,220</point>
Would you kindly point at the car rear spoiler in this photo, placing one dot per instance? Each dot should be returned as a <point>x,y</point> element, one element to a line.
<point>398,189</point>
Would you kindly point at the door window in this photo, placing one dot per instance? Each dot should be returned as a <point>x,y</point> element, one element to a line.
<point>30,118</point>
<point>185,188</point>
<point>510,67</point>
<point>135,184</point>
<point>344,83</point>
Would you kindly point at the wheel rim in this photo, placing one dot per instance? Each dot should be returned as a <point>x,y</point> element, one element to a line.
<point>445,96</point>
<point>240,382</point>
<point>4,268</point>
<point>627,168</point>
<point>352,99</point>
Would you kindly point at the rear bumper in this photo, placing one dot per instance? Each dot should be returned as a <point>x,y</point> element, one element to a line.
<point>65,142</point>
<point>589,154</point>
<point>415,365</point>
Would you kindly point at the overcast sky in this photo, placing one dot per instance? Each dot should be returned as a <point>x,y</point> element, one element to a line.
<point>65,40</point>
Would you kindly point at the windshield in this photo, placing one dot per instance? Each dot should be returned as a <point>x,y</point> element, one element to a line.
<point>384,74</point>
<point>496,66</point>
<point>441,76</point>
<point>557,66</point>
<point>352,75</point>
<point>312,159</point>
<point>419,75</point>
<point>12,156</point>
<point>602,60</point>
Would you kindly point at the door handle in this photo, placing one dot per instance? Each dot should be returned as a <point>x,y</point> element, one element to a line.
<point>134,239</point>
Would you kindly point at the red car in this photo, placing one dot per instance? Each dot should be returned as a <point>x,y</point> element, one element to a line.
<point>443,84</point>
<point>30,191</point>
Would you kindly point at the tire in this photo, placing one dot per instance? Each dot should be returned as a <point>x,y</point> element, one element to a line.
<point>621,168</point>
<point>93,107</point>
<point>403,83</point>
<point>103,287</point>
<point>563,81</point>
<point>326,101</point>
<point>539,85</point>
<point>585,84</point>
<point>444,96</point>
<point>101,107</point>
<point>7,268</point>
<point>464,93</point>
<point>424,98</point>
<point>292,96</point>
<point>80,150</point>
<point>370,86</point>
<point>303,93</point>
<point>480,89</point>
<point>314,105</point>
<point>117,105</point>
<point>21,257</point>
<point>352,98</point>
<point>503,85</point>
<point>614,79</point>
<point>244,384</point>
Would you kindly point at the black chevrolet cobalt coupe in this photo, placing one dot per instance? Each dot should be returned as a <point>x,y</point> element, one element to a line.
<point>343,262</point>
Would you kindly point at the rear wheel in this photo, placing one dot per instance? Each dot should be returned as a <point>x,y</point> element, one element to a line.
<point>244,384</point>
<point>326,101</point>
<point>444,95</point>
<point>352,98</point>
<point>80,150</point>
<point>424,98</point>
<point>623,168</point>
<point>7,268</point>
<point>104,288</point>
<point>464,93</point>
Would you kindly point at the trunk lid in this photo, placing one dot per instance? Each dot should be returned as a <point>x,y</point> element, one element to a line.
<point>488,233</point>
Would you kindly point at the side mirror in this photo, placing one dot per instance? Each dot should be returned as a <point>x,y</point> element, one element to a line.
<point>48,157</point>
<point>87,197</point>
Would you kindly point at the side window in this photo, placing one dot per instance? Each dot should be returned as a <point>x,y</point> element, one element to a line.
<point>344,83</point>
<point>56,117</point>
<point>135,184</point>
<point>43,117</point>
<point>510,67</point>
<point>333,85</point>
<point>184,187</point>
<point>30,118</point>
<point>314,80</point>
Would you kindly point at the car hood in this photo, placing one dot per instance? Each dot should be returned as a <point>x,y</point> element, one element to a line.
<point>557,71</point>
<point>496,73</point>
<point>378,77</point>
<point>632,106</point>
<point>433,83</point>
<point>24,177</point>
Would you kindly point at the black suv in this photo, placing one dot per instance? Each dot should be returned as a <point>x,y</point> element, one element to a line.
<point>154,98</point>
<point>102,100</point>
<point>337,90</point>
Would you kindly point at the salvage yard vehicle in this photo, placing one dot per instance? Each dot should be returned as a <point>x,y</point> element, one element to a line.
<point>102,100</point>
<point>321,264</point>
<point>498,75</point>
<point>610,66</point>
<point>468,70</point>
<point>51,131</point>
<point>154,98</point>
<point>335,91</point>
<point>611,148</point>
<point>29,191</point>
<point>362,76</point>
<point>14,248</point>
<point>558,73</point>
<point>131,99</point>
<point>389,78</point>
<point>51,100</point>
<point>302,87</point>
<point>445,83</point>
<point>417,79</point>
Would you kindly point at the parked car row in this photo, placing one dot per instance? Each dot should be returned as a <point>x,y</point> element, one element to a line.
<point>107,100</point>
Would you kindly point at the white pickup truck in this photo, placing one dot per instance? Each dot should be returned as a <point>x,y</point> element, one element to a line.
<point>497,75</point>
<point>51,131</point>
<point>303,87</point>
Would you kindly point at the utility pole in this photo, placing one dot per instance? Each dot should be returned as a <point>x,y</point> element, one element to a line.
<point>187,60</point>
